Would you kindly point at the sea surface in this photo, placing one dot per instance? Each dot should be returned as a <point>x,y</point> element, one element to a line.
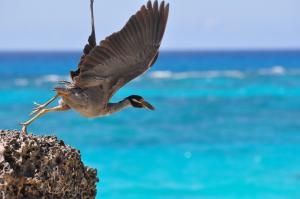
<point>226,125</point>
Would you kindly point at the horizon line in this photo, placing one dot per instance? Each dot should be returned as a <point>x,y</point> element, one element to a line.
<point>163,50</point>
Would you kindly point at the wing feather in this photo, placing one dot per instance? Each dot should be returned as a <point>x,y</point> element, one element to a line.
<point>125,54</point>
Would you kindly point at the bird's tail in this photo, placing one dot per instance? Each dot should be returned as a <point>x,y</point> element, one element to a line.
<point>62,91</point>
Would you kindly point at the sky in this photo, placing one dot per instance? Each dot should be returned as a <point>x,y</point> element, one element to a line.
<point>28,25</point>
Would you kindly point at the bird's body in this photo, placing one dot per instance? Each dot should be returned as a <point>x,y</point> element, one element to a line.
<point>103,69</point>
<point>88,102</point>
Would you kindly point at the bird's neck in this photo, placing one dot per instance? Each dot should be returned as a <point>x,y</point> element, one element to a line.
<point>116,107</point>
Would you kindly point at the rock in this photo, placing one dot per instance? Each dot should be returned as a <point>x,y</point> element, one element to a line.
<point>35,167</point>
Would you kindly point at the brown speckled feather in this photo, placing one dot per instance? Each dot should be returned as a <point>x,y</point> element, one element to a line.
<point>126,54</point>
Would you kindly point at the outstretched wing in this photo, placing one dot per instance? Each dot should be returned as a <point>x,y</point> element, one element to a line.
<point>126,54</point>
<point>90,45</point>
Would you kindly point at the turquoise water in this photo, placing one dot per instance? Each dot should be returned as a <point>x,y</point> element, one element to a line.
<point>226,125</point>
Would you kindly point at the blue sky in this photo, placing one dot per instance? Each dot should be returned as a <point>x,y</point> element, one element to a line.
<point>193,24</point>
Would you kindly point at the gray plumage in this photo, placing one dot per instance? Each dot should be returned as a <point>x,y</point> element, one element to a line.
<point>118,59</point>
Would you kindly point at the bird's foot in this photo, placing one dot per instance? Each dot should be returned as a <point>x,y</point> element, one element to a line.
<point>24,128</point>
<point>38,108</point>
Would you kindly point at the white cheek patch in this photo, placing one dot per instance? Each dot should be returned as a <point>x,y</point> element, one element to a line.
<point>136,101</point>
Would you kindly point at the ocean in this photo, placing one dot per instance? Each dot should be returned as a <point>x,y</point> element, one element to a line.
<point>226,125</point>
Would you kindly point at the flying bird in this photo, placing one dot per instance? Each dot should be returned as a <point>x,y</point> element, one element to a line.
<point>105,68</point>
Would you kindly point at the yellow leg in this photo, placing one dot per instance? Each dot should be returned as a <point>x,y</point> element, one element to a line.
<point>40,107</point>
<point>42,112</point>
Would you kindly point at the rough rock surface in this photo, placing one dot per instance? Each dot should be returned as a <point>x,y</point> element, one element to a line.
<point>37,167</point>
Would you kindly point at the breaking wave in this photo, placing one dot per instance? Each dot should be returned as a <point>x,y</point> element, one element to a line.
<point>210,74</point>
<point>239,74</point>
<point>50,79</point>
<point>196,74</point>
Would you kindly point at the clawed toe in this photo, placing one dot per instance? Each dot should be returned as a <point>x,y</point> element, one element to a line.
<point>37,109</point>
<point>23,124</point>
<point>24,128</point>
<point>37,104</point>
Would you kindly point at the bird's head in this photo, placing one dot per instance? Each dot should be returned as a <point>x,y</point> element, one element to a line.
<point>139,102</point>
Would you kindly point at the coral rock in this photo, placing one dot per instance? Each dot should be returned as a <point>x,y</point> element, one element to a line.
<point>42,167</point>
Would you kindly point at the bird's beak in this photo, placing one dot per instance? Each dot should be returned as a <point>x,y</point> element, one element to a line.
<point>147,105</point>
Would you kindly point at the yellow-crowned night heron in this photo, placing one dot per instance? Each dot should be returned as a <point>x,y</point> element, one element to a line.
<point>103,69</point>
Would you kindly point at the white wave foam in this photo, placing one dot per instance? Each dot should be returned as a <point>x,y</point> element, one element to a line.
<point>276,70</point>
<point>210,74</point>
<point>21,82</point>
<point>196,74</point>
<point>239,74</point>
<point>161,74</point>
<point>51,79</point>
